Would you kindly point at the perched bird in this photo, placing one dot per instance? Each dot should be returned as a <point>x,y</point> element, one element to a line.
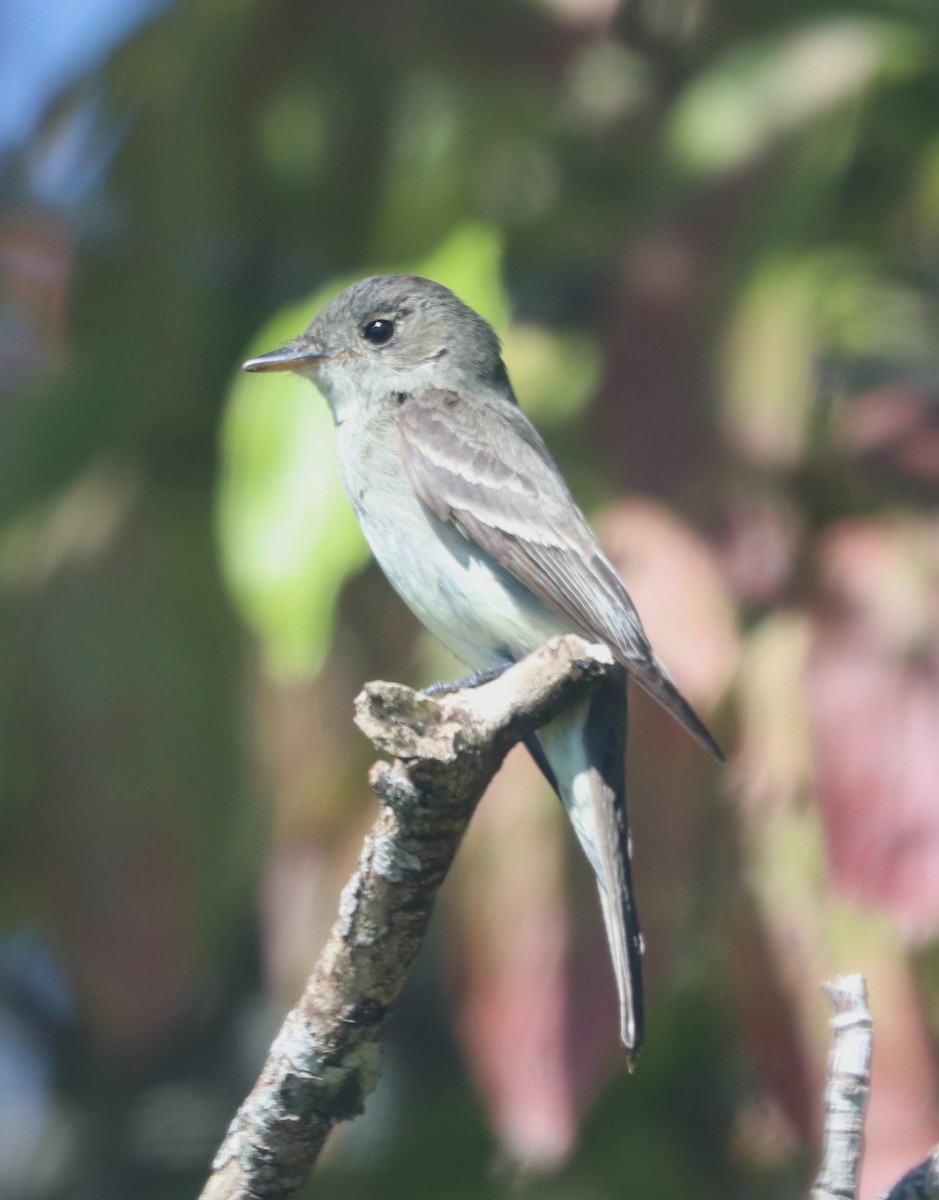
<point>472,523</point>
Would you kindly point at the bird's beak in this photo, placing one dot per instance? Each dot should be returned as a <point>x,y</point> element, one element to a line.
<point>293,357</point>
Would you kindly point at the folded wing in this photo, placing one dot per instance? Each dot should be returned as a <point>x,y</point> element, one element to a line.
<point>481,465</point>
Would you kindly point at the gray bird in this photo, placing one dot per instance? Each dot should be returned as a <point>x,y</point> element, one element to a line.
<point>472,523</point>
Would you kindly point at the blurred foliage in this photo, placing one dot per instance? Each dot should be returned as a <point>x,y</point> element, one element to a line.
<point>708,235</point>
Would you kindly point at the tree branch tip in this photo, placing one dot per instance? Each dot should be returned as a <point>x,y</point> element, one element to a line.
<point>847,991</point>
<point>382,701</point>
<point>407,724</point>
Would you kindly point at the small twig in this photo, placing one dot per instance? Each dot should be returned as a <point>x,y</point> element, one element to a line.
<point>327,1056</point>
<point>847,1090</point>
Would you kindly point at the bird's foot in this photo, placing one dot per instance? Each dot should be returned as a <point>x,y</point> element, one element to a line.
<point>486,675</point>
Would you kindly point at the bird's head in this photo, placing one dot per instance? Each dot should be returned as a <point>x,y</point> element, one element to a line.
<point>387,334</point>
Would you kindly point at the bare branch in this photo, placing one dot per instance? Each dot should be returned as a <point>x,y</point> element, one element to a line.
<point>327,1056</point>
<point>847,1090</point>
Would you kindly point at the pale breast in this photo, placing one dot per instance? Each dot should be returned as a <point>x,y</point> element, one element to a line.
<point>478,610</point>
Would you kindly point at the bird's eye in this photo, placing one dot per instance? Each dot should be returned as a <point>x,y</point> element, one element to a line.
<point>379,332</point>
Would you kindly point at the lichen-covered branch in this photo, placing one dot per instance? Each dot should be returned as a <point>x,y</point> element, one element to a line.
<point>327,1056</point>
<point>847,1090</point>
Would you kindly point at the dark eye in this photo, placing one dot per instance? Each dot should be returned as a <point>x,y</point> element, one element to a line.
<point>379,332</point>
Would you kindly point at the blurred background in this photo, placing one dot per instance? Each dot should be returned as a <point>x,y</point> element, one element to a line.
<point>708,233</point>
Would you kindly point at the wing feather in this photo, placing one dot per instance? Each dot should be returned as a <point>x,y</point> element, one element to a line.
<point>481,465</point>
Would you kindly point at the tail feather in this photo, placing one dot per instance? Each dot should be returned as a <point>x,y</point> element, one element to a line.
<point>584,751</point>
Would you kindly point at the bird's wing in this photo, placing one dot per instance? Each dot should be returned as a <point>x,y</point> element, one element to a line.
<point>482,466</point>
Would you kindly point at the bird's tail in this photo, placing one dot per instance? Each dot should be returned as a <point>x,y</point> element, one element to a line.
<point>583,754</point>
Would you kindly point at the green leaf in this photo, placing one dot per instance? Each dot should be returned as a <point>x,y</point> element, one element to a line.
<point>759,92</point>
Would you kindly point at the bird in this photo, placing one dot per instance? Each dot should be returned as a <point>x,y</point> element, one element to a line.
<point>474,526</point>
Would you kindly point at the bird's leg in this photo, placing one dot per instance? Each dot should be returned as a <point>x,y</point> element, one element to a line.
<point>486,675</point>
